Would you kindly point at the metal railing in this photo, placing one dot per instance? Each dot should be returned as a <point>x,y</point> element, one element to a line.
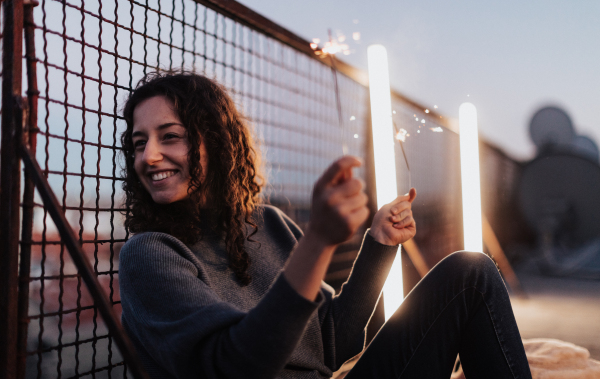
<point>81,61</point>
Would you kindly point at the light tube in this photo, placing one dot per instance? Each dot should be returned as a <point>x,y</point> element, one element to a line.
<point>385,159</point>
<point>469,173</point>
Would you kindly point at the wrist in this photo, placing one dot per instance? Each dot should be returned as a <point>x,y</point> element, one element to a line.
<point>317,241</point>
<point>381,238</point>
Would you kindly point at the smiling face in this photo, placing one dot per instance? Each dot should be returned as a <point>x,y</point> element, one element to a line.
<point>161,150</point>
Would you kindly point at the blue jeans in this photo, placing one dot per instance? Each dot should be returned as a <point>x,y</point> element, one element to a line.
<point>460,307</point>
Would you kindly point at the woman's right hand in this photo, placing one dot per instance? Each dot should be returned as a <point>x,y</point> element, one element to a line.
<point>339,207</point>
<point>339,204</point>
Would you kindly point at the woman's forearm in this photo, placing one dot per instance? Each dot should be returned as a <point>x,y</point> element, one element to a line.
<point>339,207</point>
<point>307,266</point>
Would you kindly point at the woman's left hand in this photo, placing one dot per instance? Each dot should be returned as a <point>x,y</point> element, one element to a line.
<point>394,224</point>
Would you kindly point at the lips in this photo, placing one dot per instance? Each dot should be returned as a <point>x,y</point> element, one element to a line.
<point>158,176</point>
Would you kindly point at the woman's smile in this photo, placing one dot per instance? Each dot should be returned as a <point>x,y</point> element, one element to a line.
<point>160,176</point>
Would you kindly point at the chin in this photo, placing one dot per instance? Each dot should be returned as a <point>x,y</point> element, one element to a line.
<point>166,199</point>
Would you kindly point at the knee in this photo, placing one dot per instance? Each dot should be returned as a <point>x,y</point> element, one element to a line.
<point>467,261</point>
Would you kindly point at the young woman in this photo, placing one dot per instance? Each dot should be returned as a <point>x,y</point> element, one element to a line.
<point>216,285</point>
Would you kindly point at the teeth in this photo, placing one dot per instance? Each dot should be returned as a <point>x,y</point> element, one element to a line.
<point>162,175</point>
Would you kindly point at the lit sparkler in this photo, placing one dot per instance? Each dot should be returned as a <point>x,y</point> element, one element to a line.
<point>331,48</point>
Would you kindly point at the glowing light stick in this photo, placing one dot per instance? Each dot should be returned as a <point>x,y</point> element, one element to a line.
<point>469,172</point>
<point>385,159</point>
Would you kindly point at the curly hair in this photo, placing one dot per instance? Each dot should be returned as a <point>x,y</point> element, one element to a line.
<point>231,184</point>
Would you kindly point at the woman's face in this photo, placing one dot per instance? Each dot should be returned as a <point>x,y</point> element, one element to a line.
<point>161,150</point>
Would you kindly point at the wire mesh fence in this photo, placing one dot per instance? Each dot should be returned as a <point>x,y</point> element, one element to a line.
<point>90,55</point>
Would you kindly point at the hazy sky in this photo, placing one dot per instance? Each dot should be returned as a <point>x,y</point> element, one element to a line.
<point>508,57</point>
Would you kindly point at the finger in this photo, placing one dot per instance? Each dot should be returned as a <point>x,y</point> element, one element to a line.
<point>340,194</point>
<point>406,222</point>
<point>412,194</point>
<point>350,188</point>
<point>401,216</point>
<point>359,216</point>
<point>353,203</point>
<point>411,228</point>
<point>400,207</point>
<point>339,170</point>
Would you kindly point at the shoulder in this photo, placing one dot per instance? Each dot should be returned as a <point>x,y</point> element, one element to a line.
<point>274,220</point>
<point>150,250</point>
<point>151,242</point>
<point>149,239</point>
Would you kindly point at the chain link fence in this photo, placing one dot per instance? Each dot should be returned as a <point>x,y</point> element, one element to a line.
<point>90,55</point>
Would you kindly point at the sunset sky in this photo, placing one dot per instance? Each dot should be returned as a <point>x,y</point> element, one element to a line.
<point>508,58</point>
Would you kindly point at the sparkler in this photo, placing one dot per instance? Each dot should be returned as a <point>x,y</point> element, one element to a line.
<point>330,49</point>
<point>401,138</point>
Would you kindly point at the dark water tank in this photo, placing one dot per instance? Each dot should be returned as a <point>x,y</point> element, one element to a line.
<point>560,194</point>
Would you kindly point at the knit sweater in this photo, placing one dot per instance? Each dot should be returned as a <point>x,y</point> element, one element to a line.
<point>188,316</point>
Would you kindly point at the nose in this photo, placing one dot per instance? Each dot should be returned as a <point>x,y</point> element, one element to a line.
<point>152,152</point>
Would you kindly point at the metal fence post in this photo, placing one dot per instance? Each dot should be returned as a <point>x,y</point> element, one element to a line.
<point>29,138</point>
<point>10,180</point>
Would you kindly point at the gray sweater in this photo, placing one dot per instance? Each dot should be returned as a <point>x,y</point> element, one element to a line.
<point>189,318</point>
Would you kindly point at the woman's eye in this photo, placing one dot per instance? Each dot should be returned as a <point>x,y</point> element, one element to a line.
<point>170,136</point>
<point>139,144</point>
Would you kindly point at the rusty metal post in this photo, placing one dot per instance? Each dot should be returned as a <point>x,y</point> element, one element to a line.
<point>10,180</point>
<point>30,139</point>
<point>83,265</point>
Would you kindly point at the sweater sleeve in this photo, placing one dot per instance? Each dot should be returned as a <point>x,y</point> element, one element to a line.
<point>189,331</point>
<point>352,308</point>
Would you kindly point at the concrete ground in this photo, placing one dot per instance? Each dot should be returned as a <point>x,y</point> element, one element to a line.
<point>563,308</point>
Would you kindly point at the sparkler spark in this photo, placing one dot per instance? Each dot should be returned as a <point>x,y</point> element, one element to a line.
<point>437,129</point>
<point>329,49</point>
<point>333,47</point>
<point>401,135</point>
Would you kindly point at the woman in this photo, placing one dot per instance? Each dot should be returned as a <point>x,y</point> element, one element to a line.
<point>216,285</point>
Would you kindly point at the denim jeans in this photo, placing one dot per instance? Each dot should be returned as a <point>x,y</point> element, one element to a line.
<point>461,306</point>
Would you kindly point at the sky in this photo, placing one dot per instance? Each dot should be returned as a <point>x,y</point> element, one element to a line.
<point>509,58</point>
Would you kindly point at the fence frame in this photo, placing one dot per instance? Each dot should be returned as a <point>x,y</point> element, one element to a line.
<point>10,179</point>
<point>17,145</point>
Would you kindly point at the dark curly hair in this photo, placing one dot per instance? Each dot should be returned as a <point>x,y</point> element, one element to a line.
<point>231,184</point>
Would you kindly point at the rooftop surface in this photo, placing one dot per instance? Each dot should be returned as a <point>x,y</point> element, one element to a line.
<point>563,308</point>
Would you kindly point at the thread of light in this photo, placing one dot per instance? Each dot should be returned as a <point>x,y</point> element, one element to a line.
<point>385,159</point>
<point>469,172</point>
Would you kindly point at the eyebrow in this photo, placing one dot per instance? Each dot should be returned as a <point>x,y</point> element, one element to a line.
<point>160,127</point>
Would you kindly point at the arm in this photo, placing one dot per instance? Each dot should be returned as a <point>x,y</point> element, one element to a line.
<point>188,330</point>
<point>353,306</point>
<point>338,209</point>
